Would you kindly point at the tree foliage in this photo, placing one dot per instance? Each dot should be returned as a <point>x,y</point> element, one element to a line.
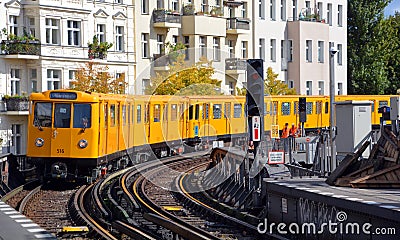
<point>185,79</point>
<point>96,78</point>
<point>274,86</point>
<point>393,23</point>
<point>369,47</point>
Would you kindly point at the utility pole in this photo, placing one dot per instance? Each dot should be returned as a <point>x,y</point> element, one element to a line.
<point>332,52</point>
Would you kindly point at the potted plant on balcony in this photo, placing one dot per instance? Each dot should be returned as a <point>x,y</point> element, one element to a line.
<point>216,12</point>
<point>26,44</point>
<point>16,102</point>
<point>188,10</point>
<point>98,49</point>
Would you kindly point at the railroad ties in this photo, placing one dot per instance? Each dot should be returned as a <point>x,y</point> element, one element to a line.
<point>380,170</point>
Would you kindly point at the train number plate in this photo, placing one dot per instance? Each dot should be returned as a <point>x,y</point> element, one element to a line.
<point>60,150</point>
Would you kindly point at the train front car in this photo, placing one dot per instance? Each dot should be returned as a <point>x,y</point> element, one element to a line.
<point>63,133</point>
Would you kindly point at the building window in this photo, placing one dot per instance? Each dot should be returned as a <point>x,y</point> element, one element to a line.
<point>15,78</point>
<point>175,39</point>
<point>294,10</point>
<point>231,88</point>
<point>52,31</point>
<point>13,25</point>
<point>262,48</point>
<point>272,10</point>
<point>160,4</point>
<point>283,10</point>
<point>244,10</point>
<point>329,14</point>
<point>175,5</point>
<point>340,89</point>
<point>340,15</point>
<point>74,32</point>
<point>31,26</point>
<point>320,51</point>
<point>339,54</point>
<point>308,88</point>
<point>290,49</point>
<point>145,45</point>
<point>203,46</point>
<point>186,42</point>
<point>231,49</point>
<point>33,79</point>
<point>101,32</point>
<point>71,77</point>
<point>53,79</point>
<point>216,49</point>
<point>16,138</point>
<point>145,85</point>
<point>273,50</point>
<point>145,6</point>
<point>321,87</point>
<point>308,51</point>
<point>283,57</point>
<point>160,43</point>
<point>204,6</point>
<point>291,84</point>
<point>261,9</point>
<point>244,49</point>
<point>119,38</point>
<point>320,10</point>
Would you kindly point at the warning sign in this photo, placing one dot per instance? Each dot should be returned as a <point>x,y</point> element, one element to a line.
<point>276,157</point>
<point>256,128</point>
<point>274,131</point>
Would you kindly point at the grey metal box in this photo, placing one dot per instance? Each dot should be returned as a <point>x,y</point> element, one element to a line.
<point>353,121</point>
<point>394,108</point>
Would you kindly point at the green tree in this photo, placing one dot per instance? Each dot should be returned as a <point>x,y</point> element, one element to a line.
<point>369,47</point>
<point>185,79</point>
<point>393,25</point>
<point>274,86</point>
<point>96,78</point>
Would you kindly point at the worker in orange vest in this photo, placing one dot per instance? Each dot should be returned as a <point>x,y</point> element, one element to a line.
<point>293,131</point>
<point>285,131</point>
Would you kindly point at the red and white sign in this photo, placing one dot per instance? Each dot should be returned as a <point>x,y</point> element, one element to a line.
<point>276,157</point>
<point>255,126</point>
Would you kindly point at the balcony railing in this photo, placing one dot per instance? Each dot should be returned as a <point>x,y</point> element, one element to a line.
<point>235,64</point>
<point>25,47</point>
<point>162,16</point>
<point>238,23</point>
<point>17,104</point>
<point>161,60</point>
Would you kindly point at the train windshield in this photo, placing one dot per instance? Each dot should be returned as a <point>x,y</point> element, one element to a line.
<point>82,115</point>
<point>42,115</point>
<point>62,115</point>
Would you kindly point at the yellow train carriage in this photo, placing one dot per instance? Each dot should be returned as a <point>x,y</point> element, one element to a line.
<point>63,126</point>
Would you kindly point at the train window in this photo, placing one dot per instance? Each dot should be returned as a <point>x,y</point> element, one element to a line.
<point>227,113</point>
<point>105,109</point>
<point>274,106</point>
<point>318,107</point>
<point>191,112</point>
<point>197,112</point>
<point>265,109</point>
<point>207,110</point>
<point>117,114</point>
<point>42,117</point>
<point>112,115</point>
<point>82,115</point>
<point>139,113</point>
<point>285,108</point>
<point>373,105</point>
<point>383,103</point>
<point>309,108</point>
<point>123,115</point>
<point>146,113</point>
<point>296,108</point>
<point>174,112</point>
<point>129,114</point>
<point>326,107</point>
<point>217,111</point>
<point>156,113</point>
<point>62,115</point>
<point>165,112</point>
<point>237,110</point>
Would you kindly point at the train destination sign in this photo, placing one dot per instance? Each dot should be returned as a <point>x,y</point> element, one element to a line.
<point>63,95</point>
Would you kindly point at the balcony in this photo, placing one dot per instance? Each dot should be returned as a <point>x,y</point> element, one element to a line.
<point>237,25</point>
<point>161,62</point>
<point>235,66</point>
<point>15,105</point>
<point>201,24</point>
<point>20,49</point>
<point>165,19</point>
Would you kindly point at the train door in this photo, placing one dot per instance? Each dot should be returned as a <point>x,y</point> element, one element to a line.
<point>318,112</point>
<point>227,115</point>
<point>274,112</point>
<point>182,123</point>
<point>165,122</point>
<point>61,130</point>
<point>147,120</point>
<point>206,119</point>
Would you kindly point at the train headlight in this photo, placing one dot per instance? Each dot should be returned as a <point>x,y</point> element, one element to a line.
<point>39,142</point>
<point>82,143</point>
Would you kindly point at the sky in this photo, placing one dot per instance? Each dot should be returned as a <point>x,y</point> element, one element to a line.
<point>392,8</point>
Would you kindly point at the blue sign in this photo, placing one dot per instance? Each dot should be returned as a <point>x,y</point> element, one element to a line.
<point>63,95</point>
<point>196,131</point>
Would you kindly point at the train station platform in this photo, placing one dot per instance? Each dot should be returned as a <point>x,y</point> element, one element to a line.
<point>311,200</point>
<point>14,225</point>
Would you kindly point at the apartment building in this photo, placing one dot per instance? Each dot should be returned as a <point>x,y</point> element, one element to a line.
<point>57,34</point>
<point>219,30</point>
<point>294,37</point>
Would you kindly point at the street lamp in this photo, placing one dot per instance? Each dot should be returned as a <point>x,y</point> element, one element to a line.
<point>332,52</point>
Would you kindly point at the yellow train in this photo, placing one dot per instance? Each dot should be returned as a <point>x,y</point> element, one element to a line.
<point>74,134</point>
